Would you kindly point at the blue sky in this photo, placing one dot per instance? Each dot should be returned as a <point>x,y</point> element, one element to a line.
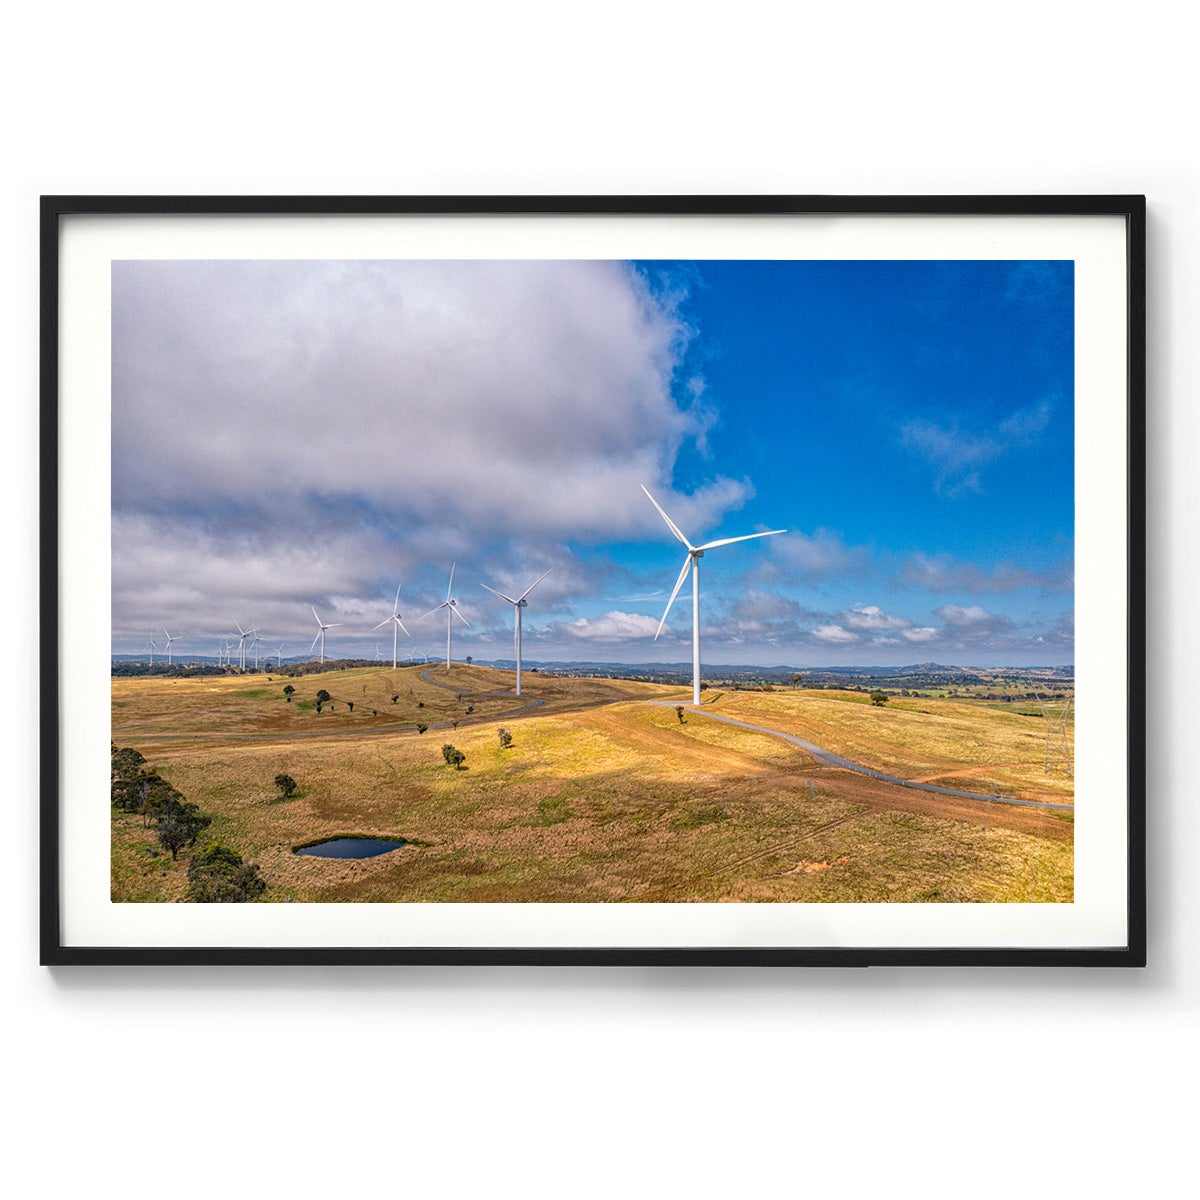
<point>295,433</point>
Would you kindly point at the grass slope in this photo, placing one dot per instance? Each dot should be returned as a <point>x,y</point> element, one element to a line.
<point>598,799</point>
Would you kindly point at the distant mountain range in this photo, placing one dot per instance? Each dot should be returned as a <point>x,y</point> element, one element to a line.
<point>928,674</point>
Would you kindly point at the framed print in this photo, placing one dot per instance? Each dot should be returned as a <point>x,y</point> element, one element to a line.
<point>676,580</point>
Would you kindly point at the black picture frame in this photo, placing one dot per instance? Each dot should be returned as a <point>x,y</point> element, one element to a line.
<point>56,211</point>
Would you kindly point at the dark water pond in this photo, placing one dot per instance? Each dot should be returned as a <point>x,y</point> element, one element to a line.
<point>352,847</point>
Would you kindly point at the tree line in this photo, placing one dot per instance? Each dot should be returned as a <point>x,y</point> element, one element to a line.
<point>216,874</point>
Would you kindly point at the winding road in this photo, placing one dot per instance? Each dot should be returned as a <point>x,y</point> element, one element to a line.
<point>835,760</point>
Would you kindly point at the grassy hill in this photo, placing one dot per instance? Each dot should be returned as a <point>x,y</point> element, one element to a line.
<point>599,797</point>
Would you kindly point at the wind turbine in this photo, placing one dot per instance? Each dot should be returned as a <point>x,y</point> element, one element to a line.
<point>152,645</point>
<point>518,605</point>
<point>451,611</point>
<point>694,555</point>
<point>170,639</point>
<point>321,634</point>
<point>279,657</point>
<point>256,640</point>
<point>243,634</point>
<point>397,625</point>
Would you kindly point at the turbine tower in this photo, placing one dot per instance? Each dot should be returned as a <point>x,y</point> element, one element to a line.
<point>518,605</point>
<point>321,634</point>
<point>451,611</point>
<point>170,639</point>
<point>694,555</point>
<point>396,624</point>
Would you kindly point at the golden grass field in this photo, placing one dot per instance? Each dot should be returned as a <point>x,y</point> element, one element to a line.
<point>600,797</point>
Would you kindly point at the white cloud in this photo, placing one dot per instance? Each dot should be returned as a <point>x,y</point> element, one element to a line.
<point>611,627</point>
<point>958,455</point>
<point>923,634</point>
<point>872,617</point>
<point>530,394</point>
<point>285,430</point>
<point>822,554</point>
<point>834,633</point>
<point>941,573</point>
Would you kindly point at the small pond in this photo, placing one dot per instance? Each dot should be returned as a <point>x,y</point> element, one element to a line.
<point>352,847</point>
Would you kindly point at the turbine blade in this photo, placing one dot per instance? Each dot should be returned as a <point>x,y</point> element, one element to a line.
<point>314,613</point>
<point>396,602</point>
<point>451,583</point>
<point>459,615</point>
<point>430,613</point>
<point>335,625</point>
<point>385,621</point>
<point>500,594</point>
<point>315,641</point>
<point>534,584</point>
<point>671,524</point>
<point>687,562</point>
<point>745,538</point>
<point>401,624</point>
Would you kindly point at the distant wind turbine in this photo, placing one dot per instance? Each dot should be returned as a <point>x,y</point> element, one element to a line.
<point>694,555</point>
<point>279,657</point>
<point>321,634</point>
<point>396,624</point>
<point>170,639</point>
<point>152,645</point>
<point>518,605</point>
<point>243,634</point>
<point>451,611</point>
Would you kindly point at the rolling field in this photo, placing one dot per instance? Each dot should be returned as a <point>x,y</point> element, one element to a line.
<point>599,797</point>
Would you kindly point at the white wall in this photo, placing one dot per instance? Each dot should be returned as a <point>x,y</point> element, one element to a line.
<point>573,1082</point>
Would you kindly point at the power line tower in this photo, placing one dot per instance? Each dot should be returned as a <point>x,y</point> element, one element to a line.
<point>1059,747</point>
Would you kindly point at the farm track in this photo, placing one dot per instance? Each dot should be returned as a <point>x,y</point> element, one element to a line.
<point>835,760</point>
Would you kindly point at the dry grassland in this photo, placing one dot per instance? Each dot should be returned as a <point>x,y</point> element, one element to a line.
<point>946,742</point>
<point>598,799</point>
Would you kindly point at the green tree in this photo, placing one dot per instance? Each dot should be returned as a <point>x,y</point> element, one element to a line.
<point>217,875</point>
<point>323,697</point>
<point>179,827</point>
<point>421,728</point>
<point>286,785</point>
<point>879,699</point>
<point>795,680</point>
<point>679,714</point>
<point>453,756</point>
<point>505,738</point>
<point>289,692</point>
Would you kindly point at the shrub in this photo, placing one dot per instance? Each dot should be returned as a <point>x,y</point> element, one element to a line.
<point>505,738</point>
<point>323,696</point>
<point>286,785</point>
<point>454,757</point>
<point>879,699</point>
<point>217,875</point>
<point>421,728</point>
<point>679,714</point>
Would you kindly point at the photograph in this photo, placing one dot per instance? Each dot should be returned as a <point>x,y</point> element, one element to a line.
<point>640,570</point>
